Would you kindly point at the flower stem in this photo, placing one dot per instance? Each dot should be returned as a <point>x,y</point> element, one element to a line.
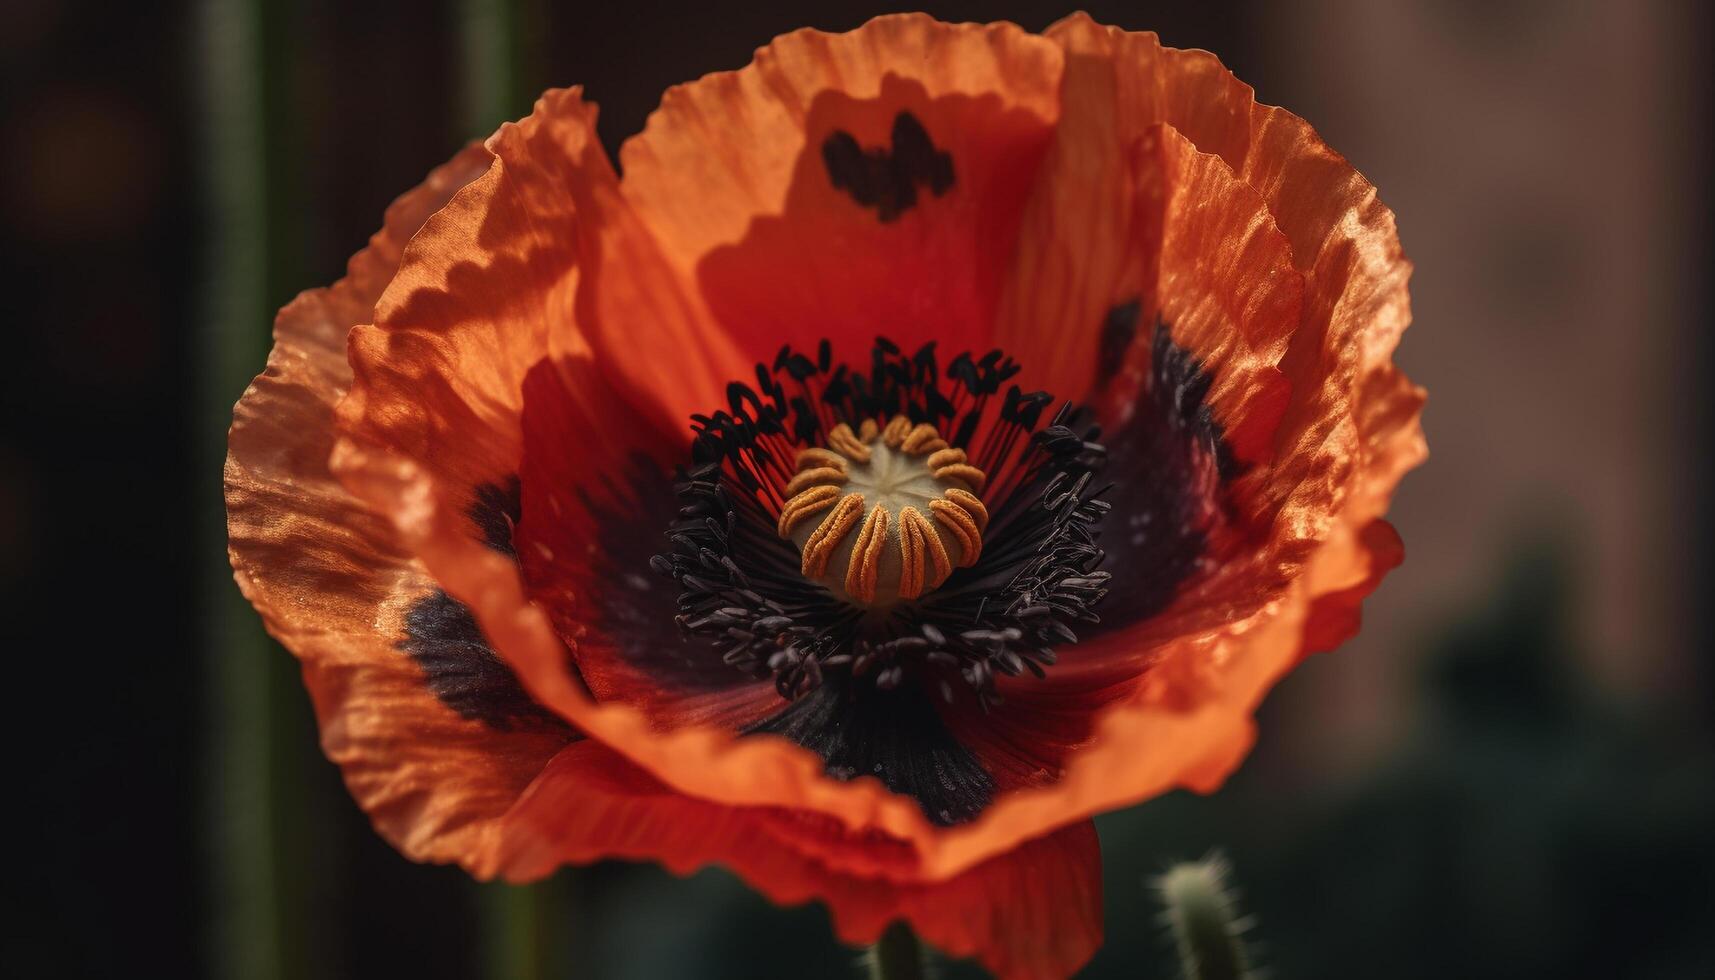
<point>898,955</point>
<point>498,77</point>
<point>527,929</point>
<point>258,723</point>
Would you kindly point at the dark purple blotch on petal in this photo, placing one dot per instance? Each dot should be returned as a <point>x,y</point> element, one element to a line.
<point>887,180</point>
<point>894,735</point>
<point>442,636</point>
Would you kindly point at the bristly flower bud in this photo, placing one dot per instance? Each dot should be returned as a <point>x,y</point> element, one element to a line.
<point>1204,915</point>
<point>899,955</point>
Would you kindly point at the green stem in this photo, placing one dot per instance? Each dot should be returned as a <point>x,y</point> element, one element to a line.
<point>487,32</point>
<point>898,955</point>
<point>246,941</point>
<point>258,731</point>
<point>498,64</point>
<point>514,931</point>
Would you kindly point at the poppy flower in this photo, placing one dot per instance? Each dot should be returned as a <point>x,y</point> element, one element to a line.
<point>940,435</point>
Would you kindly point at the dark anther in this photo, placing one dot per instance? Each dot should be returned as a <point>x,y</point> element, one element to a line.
<point>1039,572</point>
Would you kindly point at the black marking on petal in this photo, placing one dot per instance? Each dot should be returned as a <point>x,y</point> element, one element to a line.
<point>1178,385</point>
<point>1172,459</point>
<point>462,670</point>
<point>1179,388</point>
<point>888,180</point>
<point>495,512</point>
<point>896,736</point>
<point>1119,329</point>
<point>635,610</point>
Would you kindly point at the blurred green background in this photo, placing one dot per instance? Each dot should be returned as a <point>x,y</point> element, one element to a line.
<point>1509,774</point>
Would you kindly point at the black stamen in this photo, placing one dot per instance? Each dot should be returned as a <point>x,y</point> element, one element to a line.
<point>741,588</point>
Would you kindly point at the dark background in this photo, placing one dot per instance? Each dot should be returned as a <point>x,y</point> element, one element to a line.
<point>1507,775</point>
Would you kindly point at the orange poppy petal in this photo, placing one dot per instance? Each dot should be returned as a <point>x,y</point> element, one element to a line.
<point>509,292</point>
<point>1348,433</point>
<point>1131,222</point>
<point>525,262</point>
<point>1335,615</point>
<point>1080,251</point>
<point>1224,283</point>
<point>1343,238</point>
<point>1032,913</point>
<point>811,190</point>
<point>1363,548</point>
<point>438,376</point>
<point>1192,247</point>
<point>334,585</point>
<point>1208,261</point>
<point>1191,397</point>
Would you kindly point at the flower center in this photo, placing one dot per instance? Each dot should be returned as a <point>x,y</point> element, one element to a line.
<point>884,514</point>
<point>893,520</point>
